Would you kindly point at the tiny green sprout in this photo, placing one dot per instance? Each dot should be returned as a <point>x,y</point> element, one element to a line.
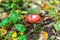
<point>20,27</point>
<point>14,16</point>
<point>4,22</point>
<point>57,25</point>
<point>23,37</point>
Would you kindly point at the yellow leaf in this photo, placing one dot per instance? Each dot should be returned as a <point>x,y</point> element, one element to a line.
<point>14,34</point>
<point>45,34</point>
<point>46,7</point>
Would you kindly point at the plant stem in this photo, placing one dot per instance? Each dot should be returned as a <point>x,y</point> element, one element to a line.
<point>34,26</point>
<point>13,5</point>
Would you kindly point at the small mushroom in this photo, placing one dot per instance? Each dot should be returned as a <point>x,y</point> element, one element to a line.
<point>33,18</point>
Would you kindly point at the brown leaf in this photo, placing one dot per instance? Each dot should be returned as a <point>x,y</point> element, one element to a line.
<point>4,15</point>
<point>0,1</point>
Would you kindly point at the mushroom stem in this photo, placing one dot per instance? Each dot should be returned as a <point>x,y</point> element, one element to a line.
<point>34,25</point>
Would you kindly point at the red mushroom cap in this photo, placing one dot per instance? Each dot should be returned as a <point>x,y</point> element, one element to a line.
<point>33,18</point>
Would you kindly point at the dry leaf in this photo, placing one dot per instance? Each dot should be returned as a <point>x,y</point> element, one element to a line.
<point>4,15</point>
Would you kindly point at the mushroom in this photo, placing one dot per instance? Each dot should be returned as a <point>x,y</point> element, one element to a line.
<point>33,18</point>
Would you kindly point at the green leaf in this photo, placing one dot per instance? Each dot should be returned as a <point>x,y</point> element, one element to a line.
<point>51,2</point>
<point>1,10</point>
<point>15,0</point>
<point>20,27</point>
<point>6,6</point>
<point>14,16</point>
<point>57,25</point>
<point>51,11</point>
<point>32,10</point>
<point>59,10</point>
<point>23,37</point>
<point>9,34</point>
<point>4,22</point>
